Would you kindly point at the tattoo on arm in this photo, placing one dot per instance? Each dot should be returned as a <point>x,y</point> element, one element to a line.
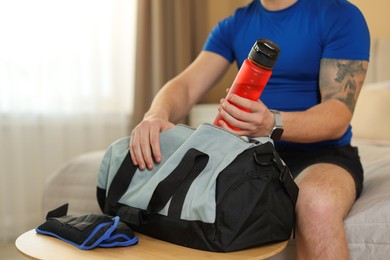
<point>342,80</point>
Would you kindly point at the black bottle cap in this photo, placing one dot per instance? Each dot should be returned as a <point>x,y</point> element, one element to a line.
<point>265,53</point>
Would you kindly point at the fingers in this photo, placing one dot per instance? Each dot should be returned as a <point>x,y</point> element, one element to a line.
<point>146,150</point>
<point>155,144</point>
<point>145,143</point>
<point>243,103</point>
<point>154,138</point>
<point>235,111</point>
<point>140,148</point>
<point>132,148</point>
<point>242,113</point>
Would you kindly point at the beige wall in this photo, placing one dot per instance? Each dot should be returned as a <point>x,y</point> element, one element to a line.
<point>376,13</point>
<point>377,16</point>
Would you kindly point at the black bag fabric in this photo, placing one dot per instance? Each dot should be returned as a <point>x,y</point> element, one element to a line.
<point>87,231</point>
<point>251,200</point>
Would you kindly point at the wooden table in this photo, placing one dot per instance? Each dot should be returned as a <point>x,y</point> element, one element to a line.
<point>45,247</point>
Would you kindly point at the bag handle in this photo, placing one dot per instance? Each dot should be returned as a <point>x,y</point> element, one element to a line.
<point>191,165</point>
<point>178,182</point>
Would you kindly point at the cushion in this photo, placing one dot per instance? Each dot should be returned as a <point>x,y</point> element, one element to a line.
<point>371,118</point>
<point>74,183</point>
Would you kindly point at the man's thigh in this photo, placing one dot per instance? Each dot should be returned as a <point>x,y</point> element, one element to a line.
<point>346,157</point>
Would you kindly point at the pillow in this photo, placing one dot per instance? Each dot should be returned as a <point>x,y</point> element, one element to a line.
<point>371,119</point>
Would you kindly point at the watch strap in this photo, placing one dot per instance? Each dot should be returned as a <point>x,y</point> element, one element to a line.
<point>277,130</point>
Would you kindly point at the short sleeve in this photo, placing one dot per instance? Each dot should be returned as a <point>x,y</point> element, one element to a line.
<point>220,39</point>
<point>346,34</point>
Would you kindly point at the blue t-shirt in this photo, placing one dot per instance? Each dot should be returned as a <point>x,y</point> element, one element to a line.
<point>306,32</point>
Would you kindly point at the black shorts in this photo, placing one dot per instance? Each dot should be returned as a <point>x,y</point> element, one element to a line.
<point>346,157</point>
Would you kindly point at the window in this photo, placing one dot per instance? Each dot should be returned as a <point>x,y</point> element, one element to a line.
<point>66,75</point>
<point>73,56</point>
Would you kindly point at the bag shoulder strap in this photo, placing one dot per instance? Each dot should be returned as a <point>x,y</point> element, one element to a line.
<point>286,179</point>
<point>284,173</point>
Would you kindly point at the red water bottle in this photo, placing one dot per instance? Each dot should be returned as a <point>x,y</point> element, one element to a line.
<point>254,73</point>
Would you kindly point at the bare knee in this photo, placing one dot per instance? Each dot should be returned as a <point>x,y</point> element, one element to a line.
<point>325,192</point>
<point>315,205</point>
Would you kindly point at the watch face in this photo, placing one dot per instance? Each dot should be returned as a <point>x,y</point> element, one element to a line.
<point>277,134</point>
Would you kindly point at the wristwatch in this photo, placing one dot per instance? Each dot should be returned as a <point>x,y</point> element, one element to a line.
<point>277,130</point>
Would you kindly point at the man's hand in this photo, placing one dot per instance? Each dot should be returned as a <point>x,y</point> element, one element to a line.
<point>257,122</point>
<point>145,142</point>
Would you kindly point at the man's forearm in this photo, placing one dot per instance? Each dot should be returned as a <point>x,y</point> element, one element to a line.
<point>326,121</point>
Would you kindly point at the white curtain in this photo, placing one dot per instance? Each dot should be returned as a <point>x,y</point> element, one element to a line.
<point>66,86</point>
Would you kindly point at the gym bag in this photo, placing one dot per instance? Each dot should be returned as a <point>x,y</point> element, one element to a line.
<point>213,190</point>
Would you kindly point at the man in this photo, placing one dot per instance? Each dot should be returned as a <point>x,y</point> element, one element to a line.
<point>314,88</point>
